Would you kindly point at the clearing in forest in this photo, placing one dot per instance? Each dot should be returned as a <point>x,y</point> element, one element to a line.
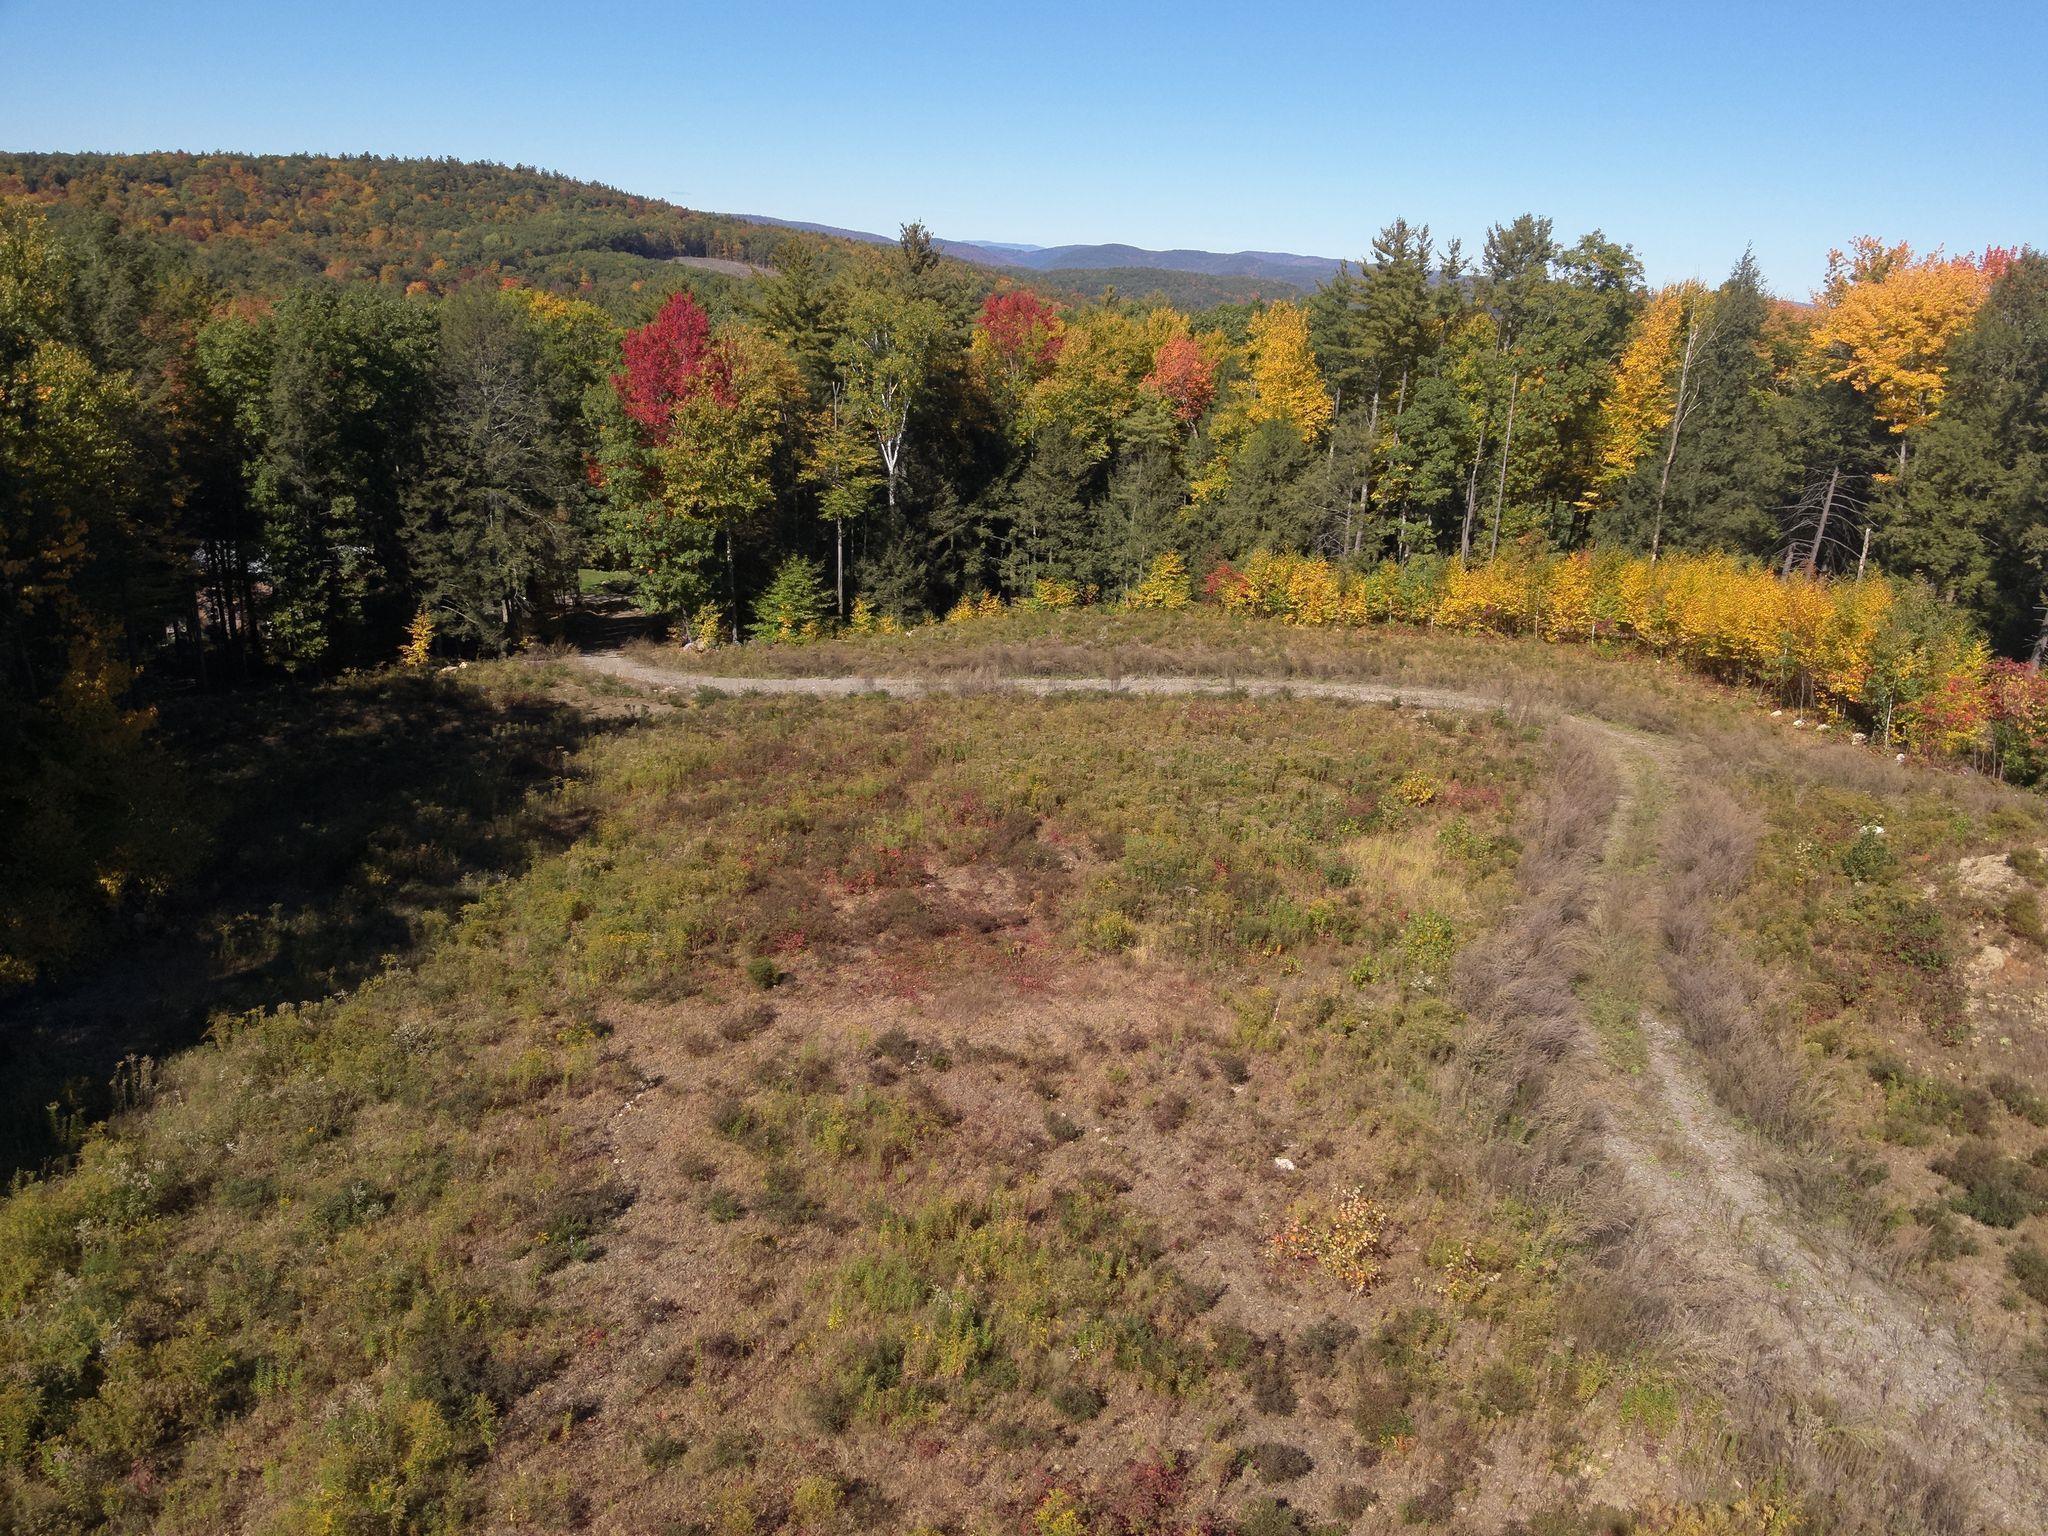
<point>1131,1106</point>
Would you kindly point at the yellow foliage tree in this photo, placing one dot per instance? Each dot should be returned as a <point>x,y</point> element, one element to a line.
<point>1285,384</point>
<point>1281,384</point>
<point>1887,324</point>
<point>1092,386</point>
<point>1639,402</point>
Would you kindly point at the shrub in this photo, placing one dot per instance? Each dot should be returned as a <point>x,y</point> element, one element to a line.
<point>865,619</point>
<point>1053,593</point>
<point>1110,933</point>
<point>707,627</point>
<point>722,1205</point>
<point>1076,1401</point>
<point>1271,1383</point>
<point>2029,1267</point>
<point>2019,1098</point>
<point>1322,1342</point>
<point>783,1197</point>
<point>1428,942</point>
<point>1868,857</point>
<point>1061,1127</point>
<point>662,1451</point>
<point>1276,1462</point>
<point>1351,1501</point>
<point>2022,915</point>
<point>763,972</point>
<point>795,604</point>
<point>418,649</point>
<point>1998,1191</point>
<point>1503,1392</point>
<point>1418,789</point>
<point>1169,1112</point>
<point>398,1465</point>
<point>1379,1409</point>
<point>1344,1239</point>
<point>1165,585</point>
<point>1270,1517</point>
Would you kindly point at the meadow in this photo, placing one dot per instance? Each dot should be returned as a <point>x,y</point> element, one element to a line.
<point>1607,1109</point>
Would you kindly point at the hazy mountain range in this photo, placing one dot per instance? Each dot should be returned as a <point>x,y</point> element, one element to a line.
<point>1280,268</point>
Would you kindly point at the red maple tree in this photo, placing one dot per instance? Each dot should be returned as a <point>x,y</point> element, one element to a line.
<point>1021,327</point>
<point>1183,376</point>
<point>668,360</point>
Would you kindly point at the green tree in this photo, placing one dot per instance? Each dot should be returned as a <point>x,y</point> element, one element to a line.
<point>886,357</point>
<point>717,465</point>
<point>840,466</point>
<point>88,812</point>
<point>797,306</point>
<point>329,391</point>
<point>793,605</point>
<point>1973,515</point>
<point>491,518</point>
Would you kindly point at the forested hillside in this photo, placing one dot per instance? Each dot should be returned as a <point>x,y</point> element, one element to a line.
<point>261,223</point>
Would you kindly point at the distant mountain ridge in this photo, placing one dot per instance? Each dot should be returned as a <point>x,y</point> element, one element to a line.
<point>1280,267</point>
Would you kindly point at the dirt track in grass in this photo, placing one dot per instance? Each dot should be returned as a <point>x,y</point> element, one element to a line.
<point>1779,1309</point>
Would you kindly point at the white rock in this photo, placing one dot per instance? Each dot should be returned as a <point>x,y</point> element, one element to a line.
<point>1284,1164</point>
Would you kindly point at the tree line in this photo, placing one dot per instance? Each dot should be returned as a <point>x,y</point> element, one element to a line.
<point>205,481</point>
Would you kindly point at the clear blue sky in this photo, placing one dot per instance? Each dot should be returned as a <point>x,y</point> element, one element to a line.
<point>1302,127</point>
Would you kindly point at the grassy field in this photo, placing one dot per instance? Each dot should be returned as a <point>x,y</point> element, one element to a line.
<point>1094,1114</point>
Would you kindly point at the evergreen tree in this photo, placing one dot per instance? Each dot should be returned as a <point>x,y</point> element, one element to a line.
<point>491,517</point>
<point>795,305</point>
<point>329,390</point>
<point>1973,516</point>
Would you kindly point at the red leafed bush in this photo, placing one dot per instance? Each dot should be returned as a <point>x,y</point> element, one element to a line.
<point>2019,721</point>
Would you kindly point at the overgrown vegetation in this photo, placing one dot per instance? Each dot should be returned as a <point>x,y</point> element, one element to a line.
<point>401,1251</point>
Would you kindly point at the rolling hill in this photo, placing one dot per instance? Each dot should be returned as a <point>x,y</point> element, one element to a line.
<point>1271,270</point>
<point>263,222</point>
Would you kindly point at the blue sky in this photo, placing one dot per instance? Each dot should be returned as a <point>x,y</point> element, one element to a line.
<point>1687,133</point>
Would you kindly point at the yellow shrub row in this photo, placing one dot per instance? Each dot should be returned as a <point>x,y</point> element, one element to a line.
<point>1827,641</point>
<point>1870,648</point>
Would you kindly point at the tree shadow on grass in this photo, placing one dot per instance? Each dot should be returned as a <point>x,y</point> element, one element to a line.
<point>341,818</point>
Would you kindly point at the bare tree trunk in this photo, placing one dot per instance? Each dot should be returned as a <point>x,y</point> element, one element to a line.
<point>1679,408</point>
<point>1864,553</point>
<point>1355,541</point>
<point>1820,532</point>
<point>1400,406</point>
<point>732,585</point>
<point>839,544</point>
<point>1507,446</point>
<point>1471,499</point>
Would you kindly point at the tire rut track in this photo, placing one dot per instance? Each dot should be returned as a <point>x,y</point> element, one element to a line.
<point>1770,1293</point>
